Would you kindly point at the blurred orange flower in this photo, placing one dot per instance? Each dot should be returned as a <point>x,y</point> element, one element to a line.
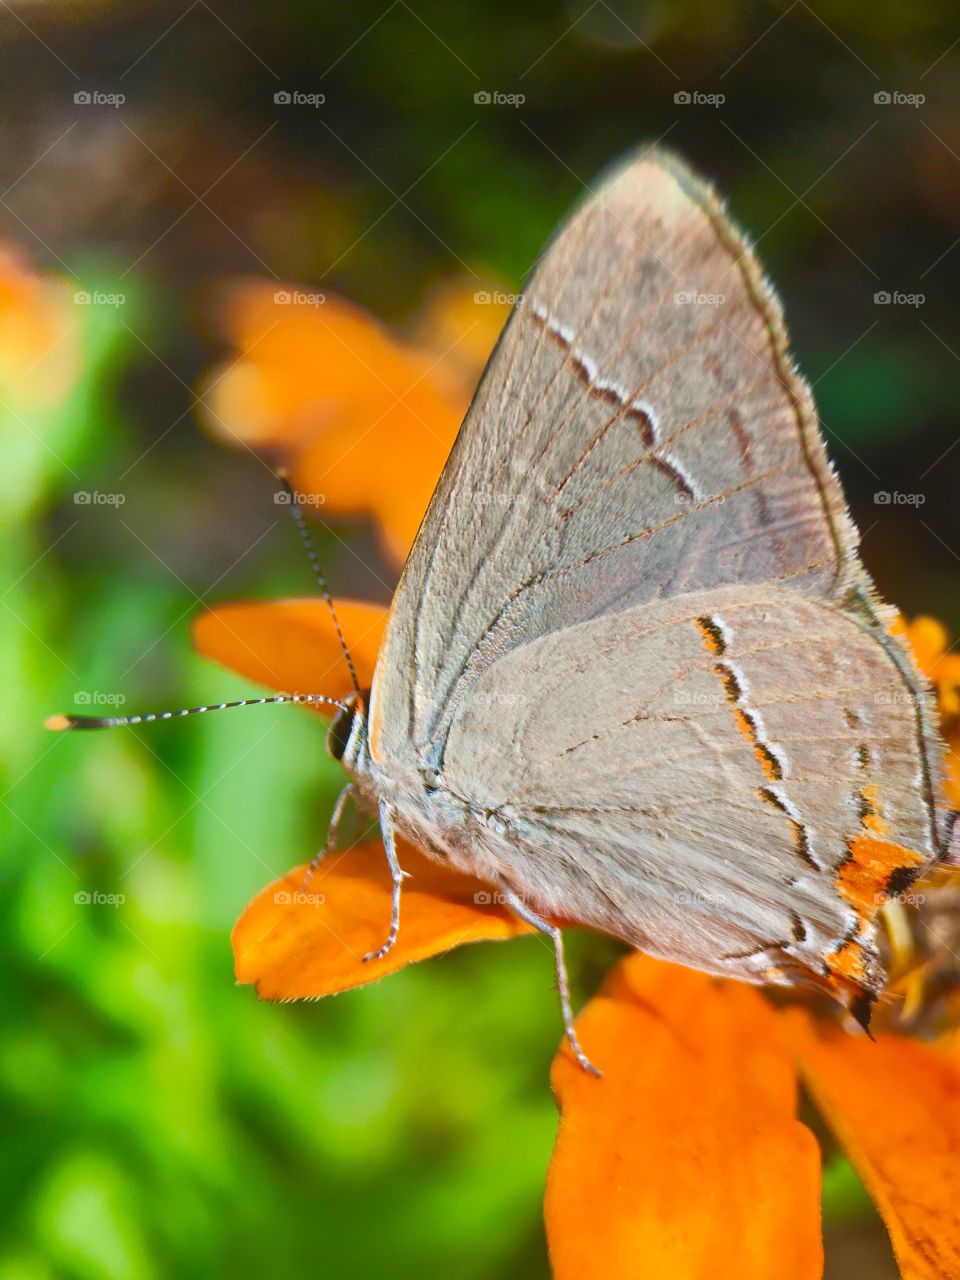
<point>688,1155</point>
<point>928,638</point>
<point>39,349</point>
<point>359,419</point>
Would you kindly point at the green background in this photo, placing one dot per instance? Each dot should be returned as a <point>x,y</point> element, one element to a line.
<point>156,1119</point>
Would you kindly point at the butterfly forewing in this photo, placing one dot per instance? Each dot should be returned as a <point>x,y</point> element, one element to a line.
<point>639,433</point>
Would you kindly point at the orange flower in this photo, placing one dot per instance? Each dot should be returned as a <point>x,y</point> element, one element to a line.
<point>688,1155</point>
<point>359,420</point>
<point>928,638</point>
<point>39,355</point>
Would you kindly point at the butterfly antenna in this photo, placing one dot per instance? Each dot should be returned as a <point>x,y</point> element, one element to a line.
<point>58,723</point>
<point>318,572</point>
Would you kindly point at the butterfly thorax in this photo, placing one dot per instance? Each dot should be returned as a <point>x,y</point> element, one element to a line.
<point>448,827</point>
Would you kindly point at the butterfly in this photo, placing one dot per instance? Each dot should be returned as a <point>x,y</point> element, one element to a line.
<point>634,672</point>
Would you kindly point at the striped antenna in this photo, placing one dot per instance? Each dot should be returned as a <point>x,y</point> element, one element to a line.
<point>317,571</point>
<point>59,723</point>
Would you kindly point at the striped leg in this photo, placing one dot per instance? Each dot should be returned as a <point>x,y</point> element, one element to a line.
<point>333,831</point>
<point>398,877</point>
<point>520,908</point>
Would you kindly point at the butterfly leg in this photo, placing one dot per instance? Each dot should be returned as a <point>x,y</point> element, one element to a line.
<point>398,877</point>
<point>520,908</point>
<point>333,830</point>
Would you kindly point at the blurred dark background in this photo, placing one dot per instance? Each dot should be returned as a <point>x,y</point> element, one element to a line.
<point>157,1120</point>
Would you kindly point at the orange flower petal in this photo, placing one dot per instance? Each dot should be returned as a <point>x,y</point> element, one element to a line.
<point>686,1159</point>
<point>39,348</point>
<point>291,645</point>
<point>358,418</point>
<point>295,942</point>
<point>462,324</point>
<point>948,682</point>
<point>927,637</point>
<point>314,365</point>
<point>952,783</point>
<point>894,1104</point>
<point>387,467</point>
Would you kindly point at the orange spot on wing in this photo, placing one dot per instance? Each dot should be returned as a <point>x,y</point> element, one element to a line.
<point>863,882</point>
<point>744,725</point>
<point>729,681</point>
<point>848,962</point>
<point>768,762</point>
<point>712,638</point>
<point>865,872</point>
<point>870,816</point>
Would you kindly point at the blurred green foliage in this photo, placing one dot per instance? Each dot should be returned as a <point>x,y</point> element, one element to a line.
<point>158,1120</point>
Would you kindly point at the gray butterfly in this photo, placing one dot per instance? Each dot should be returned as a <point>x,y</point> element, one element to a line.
<point>634,671</point>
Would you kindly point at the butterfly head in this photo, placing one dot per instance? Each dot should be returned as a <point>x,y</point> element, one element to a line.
<point>347,735</point>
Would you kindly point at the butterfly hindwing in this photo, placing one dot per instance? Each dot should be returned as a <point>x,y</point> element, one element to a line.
<point>720,779</point>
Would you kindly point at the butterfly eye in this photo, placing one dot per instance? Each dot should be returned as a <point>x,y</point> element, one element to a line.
<point>338,735</point>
